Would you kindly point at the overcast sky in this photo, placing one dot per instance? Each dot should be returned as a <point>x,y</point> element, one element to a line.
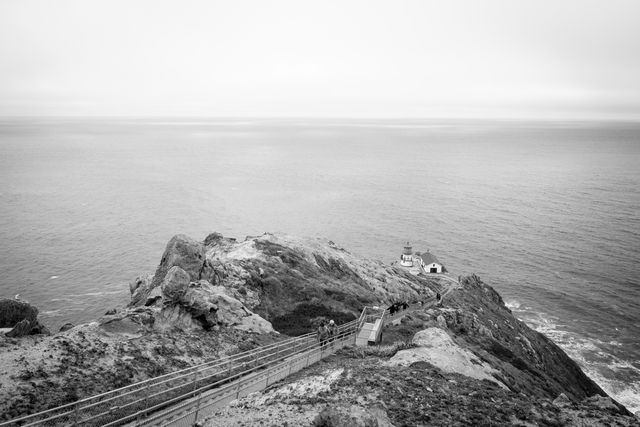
<point>507,58</point>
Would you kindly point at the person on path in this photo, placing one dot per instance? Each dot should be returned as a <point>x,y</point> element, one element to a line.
<point>333,331</point>
<point>438,299</point>
<point>322,334</point>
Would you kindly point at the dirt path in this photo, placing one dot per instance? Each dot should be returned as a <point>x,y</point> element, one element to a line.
<point>430,302</point>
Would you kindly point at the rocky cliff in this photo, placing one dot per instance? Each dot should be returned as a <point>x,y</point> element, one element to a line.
<point>468,361</point>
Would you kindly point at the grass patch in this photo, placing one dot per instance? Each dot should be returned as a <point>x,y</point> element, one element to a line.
<point>301,320</point>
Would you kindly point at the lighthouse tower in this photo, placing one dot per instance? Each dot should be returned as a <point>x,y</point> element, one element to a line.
<point>406,259</point>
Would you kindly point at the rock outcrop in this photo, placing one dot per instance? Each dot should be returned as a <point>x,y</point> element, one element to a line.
<point>13,311</point>
<point>180,298</point>
<point>200,304</point>
<point>21,317</point>
<point>435,346</point>
<point>290,281</point>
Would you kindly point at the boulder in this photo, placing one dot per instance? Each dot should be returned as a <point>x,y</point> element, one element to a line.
<point>184,252</point>
<point>140,289</point>
<point>21,329</point>
<point>255,323</point>
<point>13,311</point>
<point>211,305</point>
<point>213,239</point>
<point>175,283</point>
<point>562,400</point>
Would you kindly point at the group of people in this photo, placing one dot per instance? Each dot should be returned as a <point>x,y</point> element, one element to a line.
<point>327,332</point>
<point>397,307</point>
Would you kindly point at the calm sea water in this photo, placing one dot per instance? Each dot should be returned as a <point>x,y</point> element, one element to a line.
<point>548,213</point>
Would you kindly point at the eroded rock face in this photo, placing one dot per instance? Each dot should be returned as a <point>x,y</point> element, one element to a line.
<point>175,317</point>
<point>200,303</point>
<point>184,252</point>
<point>185,293</point>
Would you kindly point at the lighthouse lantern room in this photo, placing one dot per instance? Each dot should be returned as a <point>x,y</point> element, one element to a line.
<point>406,259</point>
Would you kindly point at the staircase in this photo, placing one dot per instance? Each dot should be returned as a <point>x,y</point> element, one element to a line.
<point>371,330</point>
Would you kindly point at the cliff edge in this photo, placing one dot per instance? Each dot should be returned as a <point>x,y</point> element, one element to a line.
<point>467,361</point>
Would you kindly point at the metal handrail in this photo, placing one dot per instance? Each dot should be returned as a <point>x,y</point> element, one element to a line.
<point>223,392</point>
<point>283,349</point>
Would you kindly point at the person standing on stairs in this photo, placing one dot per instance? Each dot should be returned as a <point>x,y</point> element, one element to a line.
<point>333,331</point>
<point>322,334</point>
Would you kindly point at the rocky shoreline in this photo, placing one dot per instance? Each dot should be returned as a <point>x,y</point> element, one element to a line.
<point>467,362</point>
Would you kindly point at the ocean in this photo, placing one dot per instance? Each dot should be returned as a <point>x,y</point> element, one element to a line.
<point>546,212</point>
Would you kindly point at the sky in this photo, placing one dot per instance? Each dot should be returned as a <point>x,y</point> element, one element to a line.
<point>297,58</point>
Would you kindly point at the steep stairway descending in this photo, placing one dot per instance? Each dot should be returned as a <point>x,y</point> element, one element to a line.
<point>188,412</point>
<point>178,397</point>
<point>371,329</point>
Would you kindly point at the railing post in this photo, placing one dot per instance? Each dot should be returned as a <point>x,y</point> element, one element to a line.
<point>146,398</point>
<point>76,414</point>
<point>197,408</point>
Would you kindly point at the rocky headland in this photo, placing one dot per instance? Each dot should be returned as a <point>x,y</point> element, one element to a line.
<point>466,362</point>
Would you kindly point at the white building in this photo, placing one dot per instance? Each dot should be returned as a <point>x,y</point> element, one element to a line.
<point>430,263</point>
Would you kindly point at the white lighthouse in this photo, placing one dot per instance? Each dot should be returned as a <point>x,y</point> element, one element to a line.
<point>406,259</point>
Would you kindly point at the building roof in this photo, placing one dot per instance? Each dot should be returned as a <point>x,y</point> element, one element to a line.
<point>429,258</point>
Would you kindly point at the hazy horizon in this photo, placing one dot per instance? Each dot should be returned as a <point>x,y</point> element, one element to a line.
<point>574,60</point>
